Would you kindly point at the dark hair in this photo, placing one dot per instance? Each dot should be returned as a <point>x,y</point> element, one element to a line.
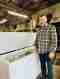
<point>49,17</point>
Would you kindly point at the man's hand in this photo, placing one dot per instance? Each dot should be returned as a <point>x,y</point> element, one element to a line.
<point>51,55</point>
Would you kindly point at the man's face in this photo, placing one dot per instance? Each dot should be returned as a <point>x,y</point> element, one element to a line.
<point>43,20</point>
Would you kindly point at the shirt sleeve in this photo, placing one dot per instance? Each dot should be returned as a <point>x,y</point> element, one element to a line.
<point>53,45</point>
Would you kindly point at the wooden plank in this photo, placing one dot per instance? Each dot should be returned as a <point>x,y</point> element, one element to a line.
<point>56,71</point>
<point>57,55</point>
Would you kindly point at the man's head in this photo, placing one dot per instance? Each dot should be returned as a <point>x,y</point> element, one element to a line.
<point>43,20</point>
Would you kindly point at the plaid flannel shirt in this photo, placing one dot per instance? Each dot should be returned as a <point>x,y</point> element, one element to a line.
<point>46,39</point>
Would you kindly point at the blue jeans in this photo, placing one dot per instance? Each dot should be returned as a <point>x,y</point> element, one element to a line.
<point>43,60</point>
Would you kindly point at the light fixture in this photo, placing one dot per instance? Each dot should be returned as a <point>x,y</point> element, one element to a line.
<point>17,14</point>
<point>3,21</point>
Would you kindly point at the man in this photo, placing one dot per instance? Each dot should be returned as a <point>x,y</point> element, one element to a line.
<point>45,43</point>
